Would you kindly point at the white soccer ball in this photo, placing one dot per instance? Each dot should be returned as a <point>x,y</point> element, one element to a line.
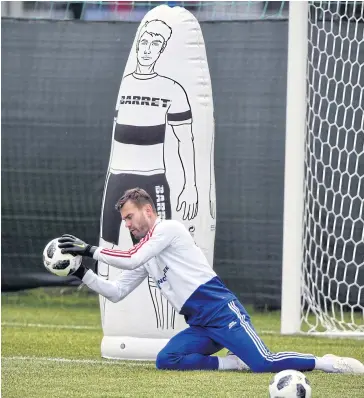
<point>290,384</point>
<point>57,263</point>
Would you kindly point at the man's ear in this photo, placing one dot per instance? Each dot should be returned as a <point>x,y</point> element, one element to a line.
<point>164,46</point>
<point>146,209</point>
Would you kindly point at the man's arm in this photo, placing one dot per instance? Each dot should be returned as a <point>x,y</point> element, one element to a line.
<point>151,245</point>
<point>186,152</point>
<point>115,290</point>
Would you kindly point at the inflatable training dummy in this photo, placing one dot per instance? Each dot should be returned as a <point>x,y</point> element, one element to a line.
<point>163,142</point>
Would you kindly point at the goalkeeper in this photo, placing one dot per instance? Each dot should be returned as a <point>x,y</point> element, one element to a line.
<point>216,317</point>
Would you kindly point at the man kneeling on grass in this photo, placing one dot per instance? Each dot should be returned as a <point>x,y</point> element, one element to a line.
<point>216,317</point>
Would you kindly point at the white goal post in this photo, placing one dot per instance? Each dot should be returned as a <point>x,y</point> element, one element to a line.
<point>323,227</point>
<point>294,168</point>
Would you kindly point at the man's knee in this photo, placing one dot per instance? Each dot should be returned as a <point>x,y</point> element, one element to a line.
<point>167,361</point>
<point>262,365</point>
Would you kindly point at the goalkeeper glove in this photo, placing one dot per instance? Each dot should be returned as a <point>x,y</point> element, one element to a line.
<point>72,245</point>
<point>80,272</point>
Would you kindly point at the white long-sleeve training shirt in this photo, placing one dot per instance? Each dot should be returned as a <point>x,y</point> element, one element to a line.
<point>179,268</point>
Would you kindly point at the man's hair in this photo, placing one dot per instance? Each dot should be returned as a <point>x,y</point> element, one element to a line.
<point>137,196</point>
<point>156,27</point>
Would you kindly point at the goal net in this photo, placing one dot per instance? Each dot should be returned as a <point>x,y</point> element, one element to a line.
<point>326,272</point>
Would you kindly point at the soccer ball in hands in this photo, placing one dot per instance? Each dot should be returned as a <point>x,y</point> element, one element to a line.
<point>57,263</point>
<point>289,384</point>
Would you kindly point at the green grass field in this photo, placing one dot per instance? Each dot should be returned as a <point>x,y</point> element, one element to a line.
<point>51,348</point>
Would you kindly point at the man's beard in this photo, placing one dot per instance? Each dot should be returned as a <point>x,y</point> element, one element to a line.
<point>140,235</point>
<point>143,231</point>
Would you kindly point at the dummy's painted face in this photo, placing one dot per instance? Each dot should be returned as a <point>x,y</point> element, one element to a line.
<point>149,49</point>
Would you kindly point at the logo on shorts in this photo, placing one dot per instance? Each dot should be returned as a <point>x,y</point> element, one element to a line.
<point>232,324</point>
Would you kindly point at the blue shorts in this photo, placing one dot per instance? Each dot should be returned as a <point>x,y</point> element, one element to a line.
<point>230,328</point>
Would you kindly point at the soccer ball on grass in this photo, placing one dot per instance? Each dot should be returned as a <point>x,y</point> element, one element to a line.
<point>57,263</point>
<point>290,384</point>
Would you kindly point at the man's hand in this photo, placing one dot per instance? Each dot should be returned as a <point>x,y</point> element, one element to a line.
<point>188,202</point>
<point>72,245</point>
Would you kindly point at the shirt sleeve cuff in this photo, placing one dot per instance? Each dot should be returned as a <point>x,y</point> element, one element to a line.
<point>88,277</point>
<point>96,255</point>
